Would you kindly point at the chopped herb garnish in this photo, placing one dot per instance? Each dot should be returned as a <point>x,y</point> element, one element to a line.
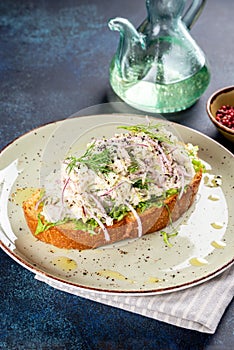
<point>89,226</point>
<point>96,161</point>
<point>118,213</point>
<point>140,184</point>
<point>133,168</point>
<point>42,227</point>
<point>167,236</point>
<point>171,191</point>
<point>153,202</point>
<point>153,131</point>
<point>198,165</point>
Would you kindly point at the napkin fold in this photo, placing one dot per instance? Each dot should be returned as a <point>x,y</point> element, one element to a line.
<point>197,308</point>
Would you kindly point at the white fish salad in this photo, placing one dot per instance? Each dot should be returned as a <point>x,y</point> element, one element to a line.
<point>129,172</point>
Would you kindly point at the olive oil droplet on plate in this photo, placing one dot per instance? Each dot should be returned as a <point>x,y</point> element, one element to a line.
<point>64,263</point>
<point>218,244</point>
<point>114,275</point>
<point>198,261</point>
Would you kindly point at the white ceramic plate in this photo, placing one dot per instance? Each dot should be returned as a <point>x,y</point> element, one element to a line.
<point>203,248</point>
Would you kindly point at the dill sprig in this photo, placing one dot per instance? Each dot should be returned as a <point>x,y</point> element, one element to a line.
<point>153,131</point>
<point>96,161</point>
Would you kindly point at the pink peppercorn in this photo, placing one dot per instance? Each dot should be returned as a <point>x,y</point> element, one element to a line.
<point>225,116</point>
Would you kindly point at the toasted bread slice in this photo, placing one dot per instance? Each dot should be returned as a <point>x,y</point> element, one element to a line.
<point>152,220</point>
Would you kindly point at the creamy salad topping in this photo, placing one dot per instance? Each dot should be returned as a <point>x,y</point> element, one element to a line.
<point>126,173</point>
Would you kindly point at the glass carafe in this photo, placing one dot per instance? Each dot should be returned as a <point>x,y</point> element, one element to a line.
<point>159,68</point>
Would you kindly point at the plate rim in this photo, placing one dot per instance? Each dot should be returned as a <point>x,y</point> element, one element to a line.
<point>165,290</point>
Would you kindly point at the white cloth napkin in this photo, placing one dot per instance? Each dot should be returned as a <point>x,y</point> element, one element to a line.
<point>198,308</point>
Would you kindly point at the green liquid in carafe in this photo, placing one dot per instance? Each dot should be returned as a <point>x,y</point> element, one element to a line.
<point>156,97</point>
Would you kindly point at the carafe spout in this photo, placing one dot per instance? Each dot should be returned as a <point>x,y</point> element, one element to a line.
<point>131,45</point>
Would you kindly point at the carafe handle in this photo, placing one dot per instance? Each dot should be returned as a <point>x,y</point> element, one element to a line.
<point>193,12</point>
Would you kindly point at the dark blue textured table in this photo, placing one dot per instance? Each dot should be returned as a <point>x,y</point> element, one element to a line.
<point>54,58</point>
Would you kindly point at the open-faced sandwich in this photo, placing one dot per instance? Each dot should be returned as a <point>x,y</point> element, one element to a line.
<point>132,184</point>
